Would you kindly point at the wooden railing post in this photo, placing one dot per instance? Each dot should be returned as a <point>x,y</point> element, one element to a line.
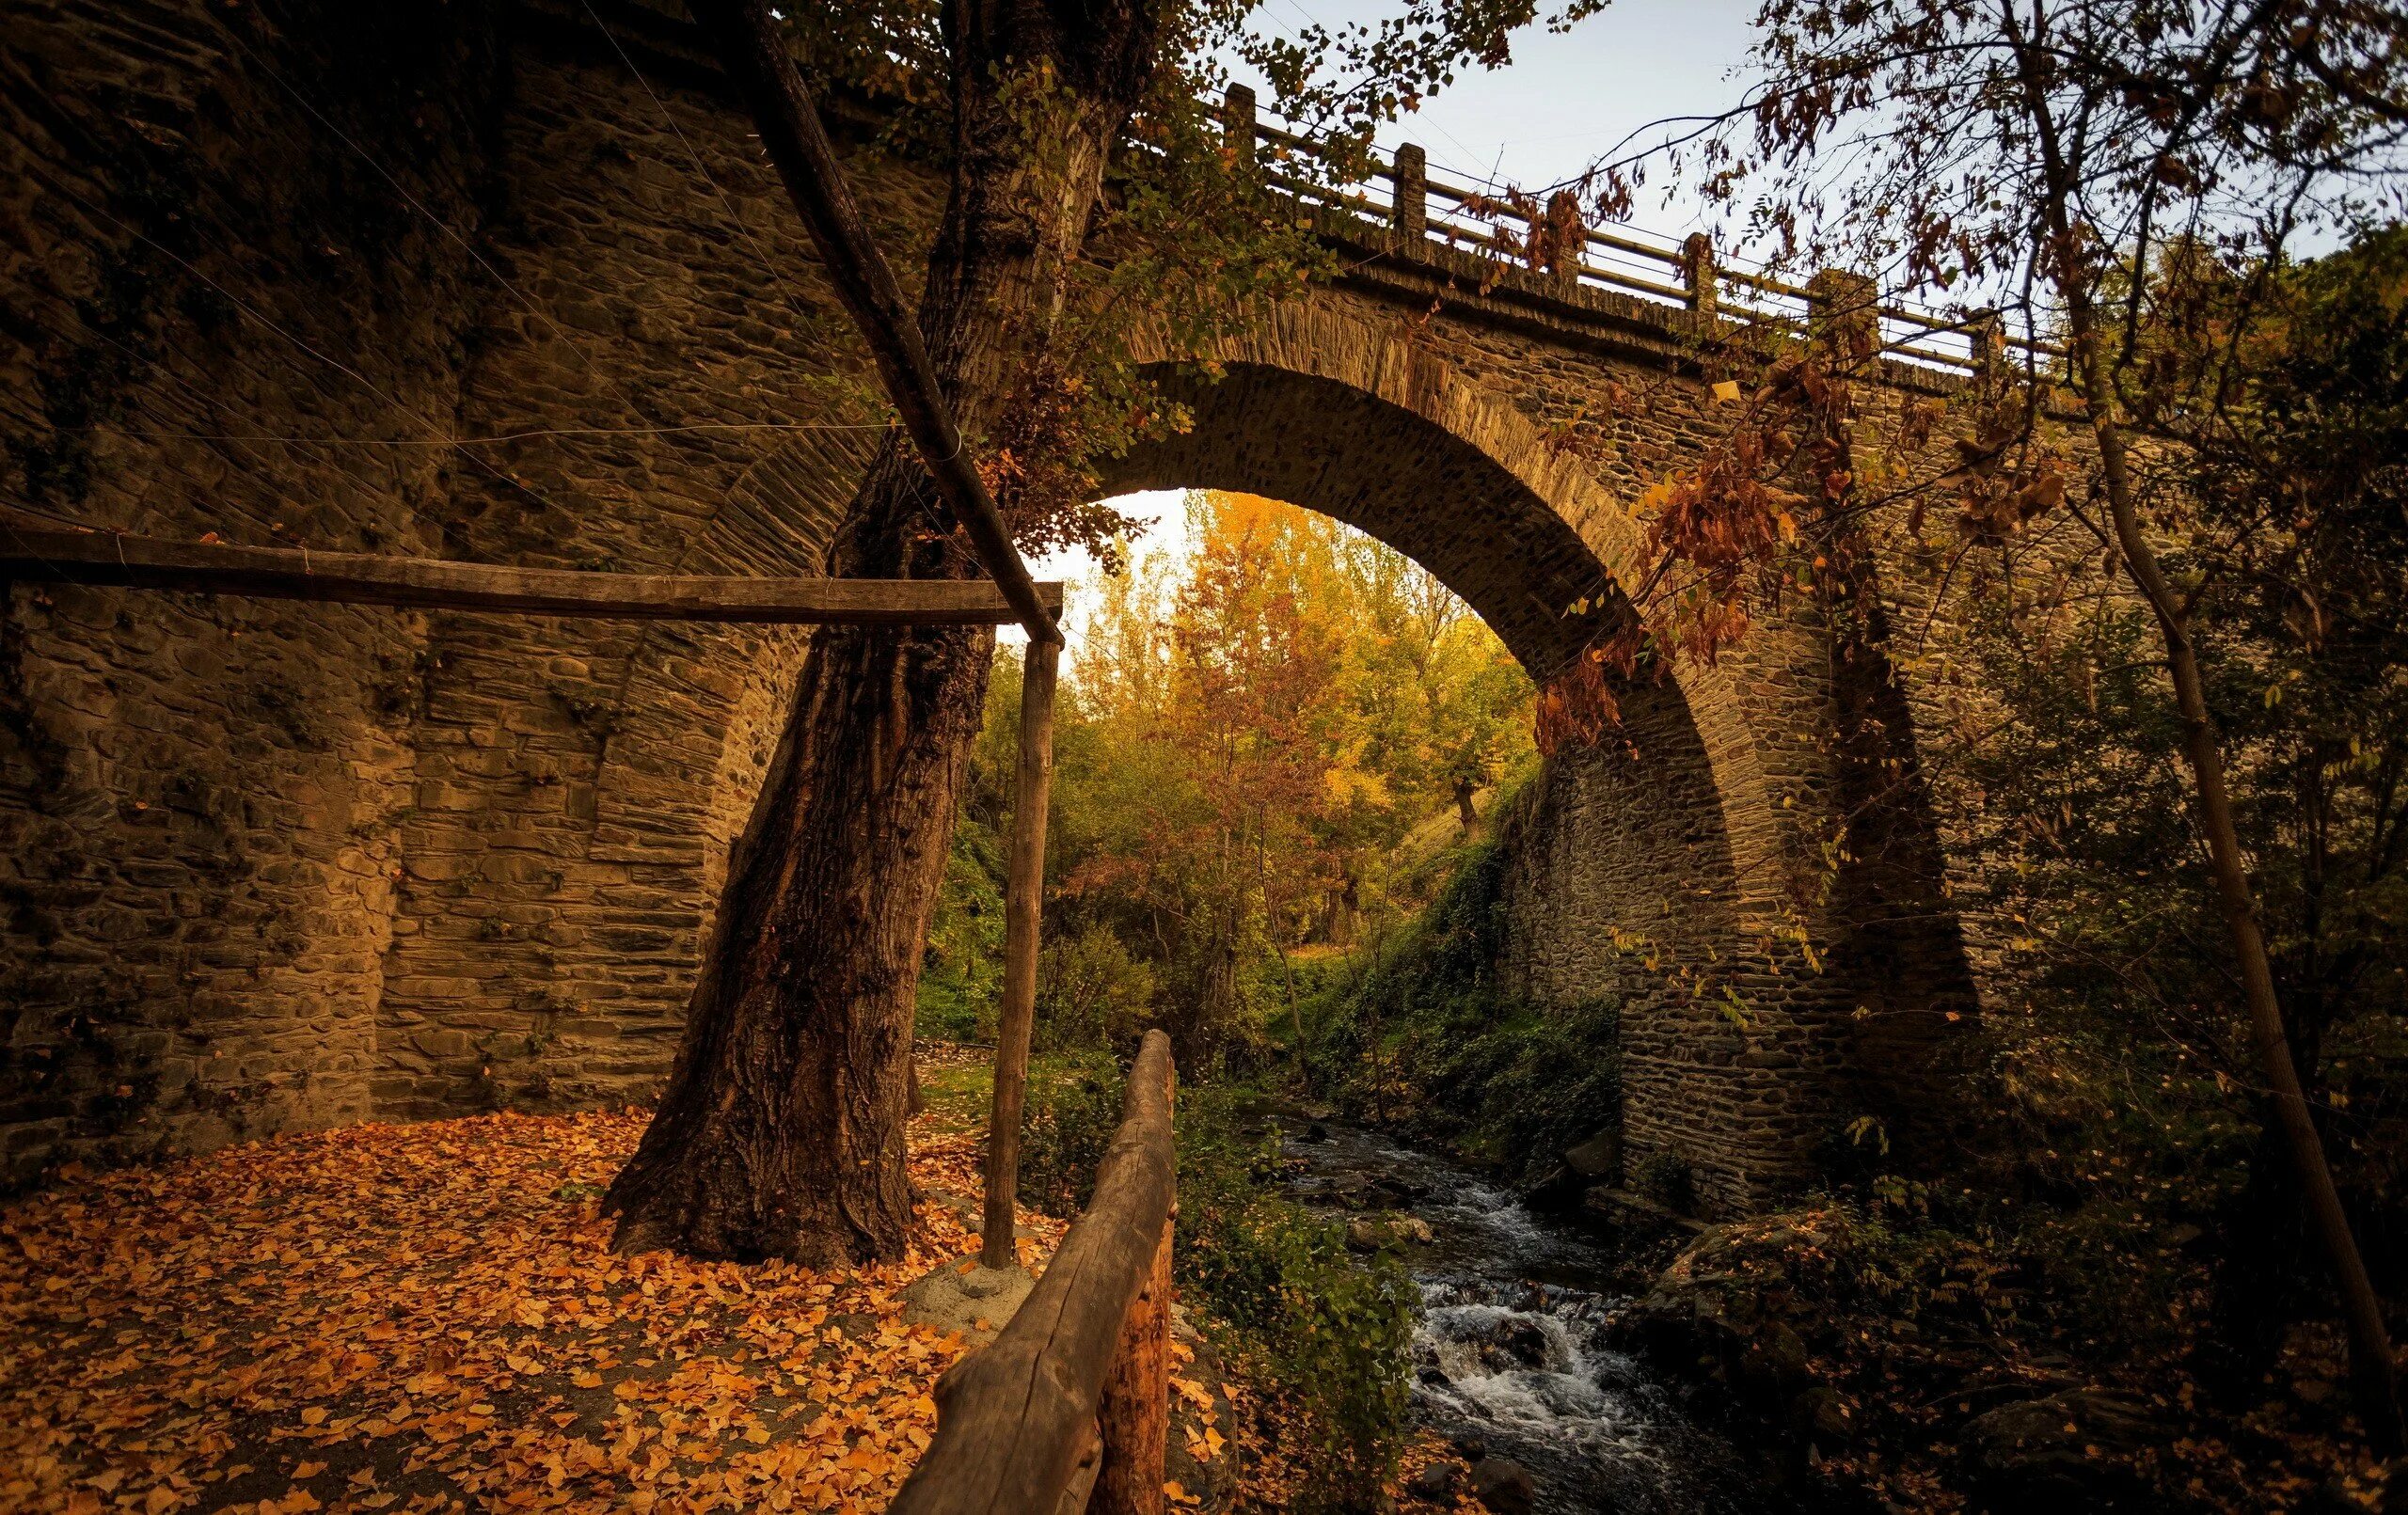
<point>1567,240</point>
<point>1016,1418</point>
<point>1409,199</point>
<point>1697,272</point>
<point>1843,313</point>
<point>1024,890</point>
<point>1989,347</point>
<point>1135,1414</point>
<point>1237,127</point>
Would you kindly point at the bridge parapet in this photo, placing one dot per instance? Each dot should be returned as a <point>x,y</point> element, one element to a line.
<point>1513,229</point>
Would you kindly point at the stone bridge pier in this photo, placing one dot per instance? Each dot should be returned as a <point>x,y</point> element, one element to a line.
<point>267,866</point>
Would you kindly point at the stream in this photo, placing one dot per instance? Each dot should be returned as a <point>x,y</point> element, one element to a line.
<point>1510,1348</point>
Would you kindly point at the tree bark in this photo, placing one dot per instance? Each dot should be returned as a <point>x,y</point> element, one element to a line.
<point>780,1131</point>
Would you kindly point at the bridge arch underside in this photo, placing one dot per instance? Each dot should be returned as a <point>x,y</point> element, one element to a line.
<point>1638,865</point>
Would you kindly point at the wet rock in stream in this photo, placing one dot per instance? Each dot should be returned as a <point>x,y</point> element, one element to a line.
<point>1512,1360</point>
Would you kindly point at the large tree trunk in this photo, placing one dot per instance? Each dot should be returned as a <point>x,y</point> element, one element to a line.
<point>780,1132</point>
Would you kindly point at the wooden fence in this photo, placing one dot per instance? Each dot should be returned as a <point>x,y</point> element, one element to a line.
<point>1067,1408</point>
<point>1688,274</point>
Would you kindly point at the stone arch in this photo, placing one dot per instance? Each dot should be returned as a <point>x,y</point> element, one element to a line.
<point>1332,413</point>
<point>1324,410</point>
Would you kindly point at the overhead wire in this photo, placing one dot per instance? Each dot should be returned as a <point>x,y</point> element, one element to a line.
<point>778,276</point>
<point>260,319</point>
<point>438,221</point>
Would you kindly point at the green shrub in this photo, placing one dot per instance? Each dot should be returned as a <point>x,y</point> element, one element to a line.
<point>1667,1179</point>
<point>961,976</point>
<point>1070,1123</point>
<point>1322,1329</point>
<point>1319,1330</point>
<point>1092,990</point>
<point>1427,1037</point>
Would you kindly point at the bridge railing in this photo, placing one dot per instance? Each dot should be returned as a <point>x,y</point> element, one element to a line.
<point>1401,193</point>
<point>1067,1408</point>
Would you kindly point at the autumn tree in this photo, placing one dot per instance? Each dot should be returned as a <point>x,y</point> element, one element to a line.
<point>780,1131</point>
<point>2291,545</point>
<point>1245,734</point>
<point>2044,158</point>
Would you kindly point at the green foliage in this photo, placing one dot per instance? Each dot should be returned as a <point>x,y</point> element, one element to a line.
<point>1318,1330</point>
<point>961,976</point>
<point>1070,1123</point>
<point>1429,1038</point>
<point>1666,1177</point>
<point>1256,751</point>
<point>1093,991</point>
<point>2129,1045</point>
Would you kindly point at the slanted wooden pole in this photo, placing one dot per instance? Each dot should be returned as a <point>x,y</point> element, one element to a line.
<point>1023,893</point>
<point>754,50</point>
<point>1135,1417</point>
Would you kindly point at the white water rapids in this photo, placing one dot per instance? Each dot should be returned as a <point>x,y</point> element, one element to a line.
<point>1509,1345</point>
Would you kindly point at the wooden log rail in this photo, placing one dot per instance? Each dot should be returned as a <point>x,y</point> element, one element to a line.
<point>1067,1408</point>
<point>1692,276</point>
<point>49,554</point>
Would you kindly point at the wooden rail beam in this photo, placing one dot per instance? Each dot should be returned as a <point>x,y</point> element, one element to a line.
<point>1015,1418</point>
<point>53,555</point>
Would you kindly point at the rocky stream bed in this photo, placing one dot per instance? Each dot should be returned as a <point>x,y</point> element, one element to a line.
<point>1512,1354</point>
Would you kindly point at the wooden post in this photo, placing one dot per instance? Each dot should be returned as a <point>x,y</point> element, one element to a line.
<point>1697,271</point>
<point>1024,890</point>
<point>1843,314</point>
<point>1015,1417</point>
<point>1135,1414</point>
<point>1989,347</point>
<point>1567,241</point>
<point>1409,194</point>
<point>1237,127</point>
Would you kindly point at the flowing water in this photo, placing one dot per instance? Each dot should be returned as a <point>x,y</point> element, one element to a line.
<point>1510,1347</point>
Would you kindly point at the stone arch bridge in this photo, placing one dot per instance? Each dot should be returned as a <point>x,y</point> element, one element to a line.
<point>269,865</point>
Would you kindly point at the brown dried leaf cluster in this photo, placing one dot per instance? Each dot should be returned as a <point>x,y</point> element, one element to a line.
<point>428,1317</point>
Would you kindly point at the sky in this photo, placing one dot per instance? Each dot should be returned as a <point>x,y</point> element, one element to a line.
<point>1564,98</point>
<point>1541,119</point>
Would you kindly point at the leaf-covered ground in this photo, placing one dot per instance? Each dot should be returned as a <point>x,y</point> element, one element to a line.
<point>425,1317</point>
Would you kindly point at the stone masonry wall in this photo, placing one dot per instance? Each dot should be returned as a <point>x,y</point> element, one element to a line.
<point>197,796</point>
<point>267,866</point>
<point>578,782</point>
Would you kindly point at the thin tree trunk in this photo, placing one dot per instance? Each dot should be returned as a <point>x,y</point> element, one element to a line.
<point>2373,1378</point>
<point>780,1131</point>
<point>1023,895</point>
